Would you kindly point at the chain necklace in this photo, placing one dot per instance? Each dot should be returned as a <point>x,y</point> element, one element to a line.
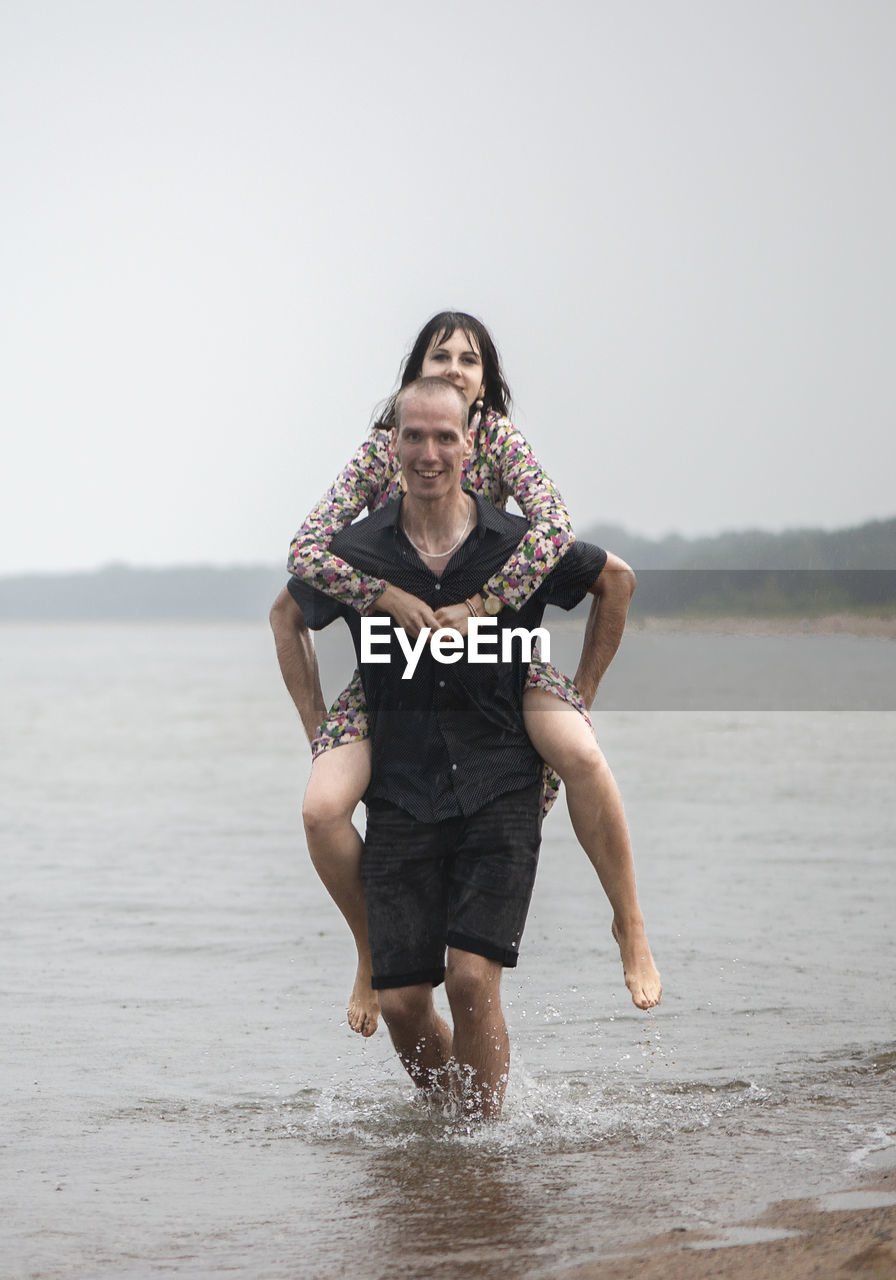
<point>440,555</point>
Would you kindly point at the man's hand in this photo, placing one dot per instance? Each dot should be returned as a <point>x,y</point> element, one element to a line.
<point>458,615</point>
<point>407,611</point>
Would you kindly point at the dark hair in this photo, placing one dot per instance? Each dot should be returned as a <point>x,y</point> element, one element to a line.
<point>497,393</point>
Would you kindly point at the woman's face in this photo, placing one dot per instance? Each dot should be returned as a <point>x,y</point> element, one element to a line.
<point>456,358</point>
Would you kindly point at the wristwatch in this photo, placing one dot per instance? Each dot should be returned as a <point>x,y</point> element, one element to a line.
<point>491,604</point>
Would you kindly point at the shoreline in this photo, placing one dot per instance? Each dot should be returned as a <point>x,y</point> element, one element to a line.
<point>850,1232</point>
<point>874,626</point>
<point>845,623</point>
<point>833,624</point>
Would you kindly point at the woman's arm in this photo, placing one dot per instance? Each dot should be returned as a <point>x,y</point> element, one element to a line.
<point>550,532</point>
<point>507,455</point>
<point>358,486</point>
<point>362,484</point>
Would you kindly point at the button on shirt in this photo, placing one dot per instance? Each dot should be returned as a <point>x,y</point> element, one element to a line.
<point>451,738</point>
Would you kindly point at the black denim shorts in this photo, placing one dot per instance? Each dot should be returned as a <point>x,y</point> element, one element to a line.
<point>462,883</point>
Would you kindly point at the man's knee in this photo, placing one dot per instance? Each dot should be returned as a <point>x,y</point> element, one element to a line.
<point>471,984</point>
<point>405,1008</point>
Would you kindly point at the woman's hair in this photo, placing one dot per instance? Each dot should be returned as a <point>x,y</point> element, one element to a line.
<point>497,393</point>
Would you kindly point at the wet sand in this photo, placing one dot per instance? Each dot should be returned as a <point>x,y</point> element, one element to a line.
<point>853,1233</point>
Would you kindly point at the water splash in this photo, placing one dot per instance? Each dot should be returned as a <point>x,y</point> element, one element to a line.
<point>556,1114</point>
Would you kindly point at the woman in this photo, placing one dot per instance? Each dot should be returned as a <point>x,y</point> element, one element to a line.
<point>458,347</point>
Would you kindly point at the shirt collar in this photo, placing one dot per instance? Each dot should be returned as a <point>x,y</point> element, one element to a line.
<point>488,518</point>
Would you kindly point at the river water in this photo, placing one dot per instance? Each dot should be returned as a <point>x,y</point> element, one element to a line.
<point>182,1096</point>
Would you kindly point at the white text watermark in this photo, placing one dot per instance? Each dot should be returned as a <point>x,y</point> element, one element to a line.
<point>481,644</point>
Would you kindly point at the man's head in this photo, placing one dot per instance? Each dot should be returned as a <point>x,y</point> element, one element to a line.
<point>431,437</point>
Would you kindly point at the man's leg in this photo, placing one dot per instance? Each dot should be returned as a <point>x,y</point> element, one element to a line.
<point>421,1037</point>
<point>480,1047</point>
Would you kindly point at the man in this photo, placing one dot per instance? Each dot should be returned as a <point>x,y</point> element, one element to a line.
<point>454,802</point>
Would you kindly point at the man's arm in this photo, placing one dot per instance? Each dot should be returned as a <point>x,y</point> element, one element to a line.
<point>612,593</point>
<point>298,662</point>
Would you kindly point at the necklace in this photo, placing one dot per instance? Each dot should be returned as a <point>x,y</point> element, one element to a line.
<point>440,555</point>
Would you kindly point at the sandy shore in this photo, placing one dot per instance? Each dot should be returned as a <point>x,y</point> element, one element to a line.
<point>853,1233</point>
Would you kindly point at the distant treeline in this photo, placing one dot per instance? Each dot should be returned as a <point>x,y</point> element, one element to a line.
<point>800,571</point>
<point>765,593</point>
<point>868,546</point>
<point>804,572</point>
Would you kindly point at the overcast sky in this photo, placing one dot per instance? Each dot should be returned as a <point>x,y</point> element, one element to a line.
<point>224,222</point>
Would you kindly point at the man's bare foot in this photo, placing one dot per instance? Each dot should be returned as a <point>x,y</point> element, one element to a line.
<point>363,1005</point>
<point>641,974</point>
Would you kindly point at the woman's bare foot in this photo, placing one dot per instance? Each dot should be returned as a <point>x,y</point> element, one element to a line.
<point>641,974</point>
<point>363,1005</point>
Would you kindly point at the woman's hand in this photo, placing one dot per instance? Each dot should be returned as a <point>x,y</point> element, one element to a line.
<point>408,612</point>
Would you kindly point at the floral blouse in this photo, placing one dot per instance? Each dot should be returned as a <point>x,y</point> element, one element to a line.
<point>501,466</point>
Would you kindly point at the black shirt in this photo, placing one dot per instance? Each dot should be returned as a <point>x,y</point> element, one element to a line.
<point>451,738</point>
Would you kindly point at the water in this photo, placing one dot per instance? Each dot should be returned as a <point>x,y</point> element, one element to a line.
<point>181,1094</point>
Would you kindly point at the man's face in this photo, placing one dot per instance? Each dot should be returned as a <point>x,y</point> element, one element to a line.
<point>432,442</point>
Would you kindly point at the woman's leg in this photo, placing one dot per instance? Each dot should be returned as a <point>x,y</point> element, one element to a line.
<point>563,738</point>
<point>339,778</point>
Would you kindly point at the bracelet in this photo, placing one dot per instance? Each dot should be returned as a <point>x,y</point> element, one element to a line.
<point>473,613</point>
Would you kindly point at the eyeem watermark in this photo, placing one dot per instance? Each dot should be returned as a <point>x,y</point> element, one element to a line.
<point>448,645</point>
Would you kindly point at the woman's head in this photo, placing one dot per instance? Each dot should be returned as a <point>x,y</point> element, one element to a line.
<point>456,345</point>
